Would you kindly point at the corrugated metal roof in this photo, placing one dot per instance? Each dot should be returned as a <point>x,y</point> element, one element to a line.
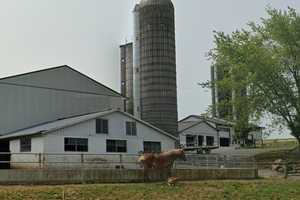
<point>63,123</point>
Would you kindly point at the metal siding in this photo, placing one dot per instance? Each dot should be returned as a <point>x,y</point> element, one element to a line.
<point>136,64</point>
<point>126,52</point>
<point>23,107</point>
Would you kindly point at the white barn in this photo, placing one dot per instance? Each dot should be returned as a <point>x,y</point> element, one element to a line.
<point>95,136</point>
<point>197,130</point>
<point>55,110</point>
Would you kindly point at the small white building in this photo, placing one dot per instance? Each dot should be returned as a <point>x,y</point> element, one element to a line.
<point>98,137</point>
<point>197,130</point>
<point>194,134</point>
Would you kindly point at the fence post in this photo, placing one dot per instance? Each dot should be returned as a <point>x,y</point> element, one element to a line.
<point>121,160</point>
<point>285,170</point>
<point>255,166</point>
<point>82,159</point>
<point>40,160</point>
<point>43,160</point>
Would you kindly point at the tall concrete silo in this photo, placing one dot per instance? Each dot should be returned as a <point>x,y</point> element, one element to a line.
<point>155,90</point>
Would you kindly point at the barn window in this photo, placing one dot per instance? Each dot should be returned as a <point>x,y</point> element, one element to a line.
<point>130,128</point>
<point>102,126</point>
<point>210,141</point>
<point>154,147</point>
<point>116,146</point>
<point>76,144</point>
<point>190,140</point>
<point>25,144</point>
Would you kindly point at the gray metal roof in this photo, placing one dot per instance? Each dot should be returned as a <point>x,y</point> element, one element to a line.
<point>184,125</point>
<point>63,123</point>
<point>60,78</point>
<point>210,119</point>
<point>219,121</point>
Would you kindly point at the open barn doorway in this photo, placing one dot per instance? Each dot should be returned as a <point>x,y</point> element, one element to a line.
<point>4,155</point>
<point>224,142</point>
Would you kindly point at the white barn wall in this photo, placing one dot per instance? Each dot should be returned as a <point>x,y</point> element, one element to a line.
<point>37,146</point>
<point>54,142</point>
<point>51,145</point>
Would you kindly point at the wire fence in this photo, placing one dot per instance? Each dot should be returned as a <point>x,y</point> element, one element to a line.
<point>116,161</point>
<point>216,161</point>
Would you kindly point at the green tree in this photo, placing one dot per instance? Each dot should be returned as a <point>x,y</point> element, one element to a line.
<point>263,63</point>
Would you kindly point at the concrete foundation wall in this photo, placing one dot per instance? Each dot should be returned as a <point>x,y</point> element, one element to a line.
<point>118,176</point>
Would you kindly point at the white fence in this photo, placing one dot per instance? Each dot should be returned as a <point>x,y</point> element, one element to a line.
<point>216,161</point>
<point>113,161</point>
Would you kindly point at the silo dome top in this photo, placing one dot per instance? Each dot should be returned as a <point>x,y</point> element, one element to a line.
<point>155,2</point>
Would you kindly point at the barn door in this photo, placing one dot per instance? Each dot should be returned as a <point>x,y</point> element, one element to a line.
<point>5,156</point>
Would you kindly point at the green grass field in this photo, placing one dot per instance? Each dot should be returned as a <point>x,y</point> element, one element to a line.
<point>260,189</point>
<point>280,143</point>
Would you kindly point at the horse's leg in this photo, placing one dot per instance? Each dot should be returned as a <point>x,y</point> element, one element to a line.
<point>170,166</point>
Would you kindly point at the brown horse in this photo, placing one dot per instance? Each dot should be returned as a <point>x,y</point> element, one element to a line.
<point>162,160</point>
<point>147,160</point>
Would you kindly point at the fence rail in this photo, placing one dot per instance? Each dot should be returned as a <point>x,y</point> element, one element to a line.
<point>112,161</point>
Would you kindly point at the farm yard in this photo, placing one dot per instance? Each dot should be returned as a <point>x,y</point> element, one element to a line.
<point>268,188</point>
<point>206,190</point>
